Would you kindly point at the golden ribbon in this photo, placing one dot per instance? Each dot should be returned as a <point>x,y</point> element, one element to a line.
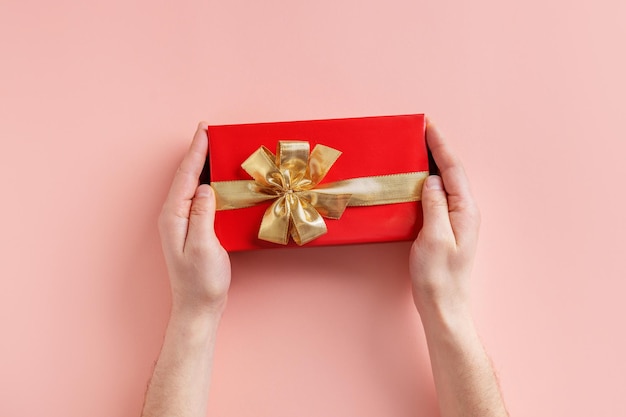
<point>291,179</point>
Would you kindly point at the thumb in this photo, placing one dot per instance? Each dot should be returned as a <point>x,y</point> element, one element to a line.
<point>201,216</point>
<point>435,207</point>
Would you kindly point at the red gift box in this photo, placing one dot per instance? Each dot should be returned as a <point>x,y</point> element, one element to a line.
<point>370,146</point>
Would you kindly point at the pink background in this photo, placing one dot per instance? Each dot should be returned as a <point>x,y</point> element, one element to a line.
<point>98,102</point>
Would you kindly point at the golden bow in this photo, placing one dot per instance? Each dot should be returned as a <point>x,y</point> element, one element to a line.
<point>291,178</point>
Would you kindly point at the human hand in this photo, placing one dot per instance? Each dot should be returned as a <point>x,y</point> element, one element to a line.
<point>441,257</point>
<point>198,265</point>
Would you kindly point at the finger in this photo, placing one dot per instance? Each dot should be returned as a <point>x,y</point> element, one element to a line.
<point>452,172</point>
<point>435,208</point>
<point>175,214</point>
<point>201,217</point>
<point>463,213</point>
<point>186,178</point>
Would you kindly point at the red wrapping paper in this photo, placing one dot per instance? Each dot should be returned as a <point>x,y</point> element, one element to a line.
<point>370,146</point>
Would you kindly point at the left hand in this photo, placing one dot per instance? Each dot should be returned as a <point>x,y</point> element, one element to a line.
<point>198,265</point>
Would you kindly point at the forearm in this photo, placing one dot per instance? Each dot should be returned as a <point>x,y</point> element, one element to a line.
<point>180,383</point>
<point>464,378</point>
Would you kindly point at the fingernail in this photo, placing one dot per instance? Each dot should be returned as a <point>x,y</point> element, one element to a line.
<point>434,182</point>
<point>204,190</point>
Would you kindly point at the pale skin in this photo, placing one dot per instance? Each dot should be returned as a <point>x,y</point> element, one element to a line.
<point>440,264</point>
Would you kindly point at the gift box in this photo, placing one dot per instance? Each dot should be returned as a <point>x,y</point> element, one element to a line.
<point>317,182</point>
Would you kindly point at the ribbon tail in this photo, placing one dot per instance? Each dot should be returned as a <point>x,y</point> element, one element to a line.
<point>328,205</point>
<point>275,223</point>
<point>378,190</point>
<point>306,222</point>
<point>237,194</point>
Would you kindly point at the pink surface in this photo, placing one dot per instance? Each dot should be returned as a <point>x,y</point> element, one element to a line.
<point>98,102</point>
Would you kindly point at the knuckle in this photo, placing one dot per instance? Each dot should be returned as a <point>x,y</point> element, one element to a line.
<point>171,215</point>
<point>176,210</point>
<point>198,209</point>
<point>457,168</point>
<point>436,202</point>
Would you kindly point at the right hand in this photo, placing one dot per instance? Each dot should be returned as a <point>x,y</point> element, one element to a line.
<point>441,257</point>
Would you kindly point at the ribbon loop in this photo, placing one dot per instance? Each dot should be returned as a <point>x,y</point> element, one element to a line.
<point>261,166</point>
<point>320,161</point>
<point>307,223</point>
<point>292,159</point>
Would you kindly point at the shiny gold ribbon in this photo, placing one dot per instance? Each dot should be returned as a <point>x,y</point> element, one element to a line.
<point>291,179</point>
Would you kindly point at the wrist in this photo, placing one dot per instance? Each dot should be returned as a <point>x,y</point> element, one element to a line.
<point>445,317</point>
<point>194,322</point>
<point>198,308</point>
